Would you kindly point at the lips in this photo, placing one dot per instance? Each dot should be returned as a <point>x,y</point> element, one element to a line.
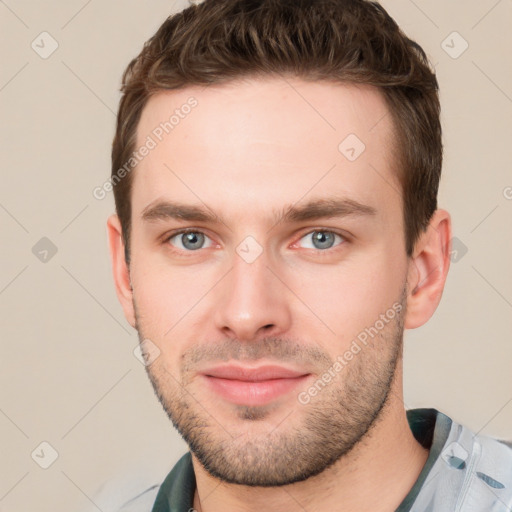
<point>252,374</point>
<point>252,386</point>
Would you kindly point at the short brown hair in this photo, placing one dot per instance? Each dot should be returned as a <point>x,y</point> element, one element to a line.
<point>345,41</point>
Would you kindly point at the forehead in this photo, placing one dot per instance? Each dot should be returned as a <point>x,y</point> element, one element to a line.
<point>266,141</point>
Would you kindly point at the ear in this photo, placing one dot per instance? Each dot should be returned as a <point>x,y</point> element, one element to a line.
<point>428,269</point>
<point>120,268</point>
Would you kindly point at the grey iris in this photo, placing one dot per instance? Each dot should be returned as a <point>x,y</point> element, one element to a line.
<point>195,240</point>
<point>324,239</point>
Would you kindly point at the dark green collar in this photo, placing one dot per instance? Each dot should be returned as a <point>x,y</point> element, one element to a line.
<point>429,426</point>
<point>176,493</point>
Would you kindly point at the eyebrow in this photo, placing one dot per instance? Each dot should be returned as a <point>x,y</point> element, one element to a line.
<point>312,210</point>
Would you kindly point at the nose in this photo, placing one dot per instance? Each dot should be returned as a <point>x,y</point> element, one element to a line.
<point>252,302</point>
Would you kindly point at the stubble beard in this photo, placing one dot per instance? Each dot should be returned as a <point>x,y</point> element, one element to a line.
<point>319,433</point>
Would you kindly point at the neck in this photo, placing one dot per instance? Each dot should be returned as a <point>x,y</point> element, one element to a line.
<point>376,474</point>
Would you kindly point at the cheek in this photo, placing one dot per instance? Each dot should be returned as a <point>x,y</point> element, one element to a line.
<point>162,318</point>
<point>169,298</point>
<point>348,297</point>
<point>161,302</point>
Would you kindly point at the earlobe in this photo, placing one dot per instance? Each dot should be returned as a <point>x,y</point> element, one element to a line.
<point>428,270</point>
<point>120,270</point>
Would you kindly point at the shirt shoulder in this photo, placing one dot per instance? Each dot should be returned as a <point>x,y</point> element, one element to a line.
<point>142,502</point>
<point>473,473</point>
<point>174,493</point>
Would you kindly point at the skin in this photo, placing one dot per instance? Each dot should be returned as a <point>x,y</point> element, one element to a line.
<point>250,149</point>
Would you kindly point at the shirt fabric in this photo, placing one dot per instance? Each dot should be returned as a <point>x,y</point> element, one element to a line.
<point>464,472</point>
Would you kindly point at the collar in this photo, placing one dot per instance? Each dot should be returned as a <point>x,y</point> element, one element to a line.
<point>429,426</point>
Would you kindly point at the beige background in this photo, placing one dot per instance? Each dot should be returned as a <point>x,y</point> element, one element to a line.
<point>67,369</point>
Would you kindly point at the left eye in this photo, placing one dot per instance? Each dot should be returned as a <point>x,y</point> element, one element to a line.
<point>321,239</point>
<point>189,240</point>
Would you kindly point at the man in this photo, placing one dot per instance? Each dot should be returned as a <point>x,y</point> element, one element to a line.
<point>275,169</point>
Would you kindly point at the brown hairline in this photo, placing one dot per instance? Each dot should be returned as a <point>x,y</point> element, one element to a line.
<point>204,44</point>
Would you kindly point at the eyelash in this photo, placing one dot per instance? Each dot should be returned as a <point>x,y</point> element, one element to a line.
<point>319,251</point>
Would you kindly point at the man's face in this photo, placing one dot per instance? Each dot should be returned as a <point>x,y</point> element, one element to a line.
<point>253,307</point>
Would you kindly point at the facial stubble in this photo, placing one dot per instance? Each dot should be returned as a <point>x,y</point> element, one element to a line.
<point>308,438</point>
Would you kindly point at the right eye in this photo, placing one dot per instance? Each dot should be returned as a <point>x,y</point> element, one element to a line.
<point>188,240</point>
